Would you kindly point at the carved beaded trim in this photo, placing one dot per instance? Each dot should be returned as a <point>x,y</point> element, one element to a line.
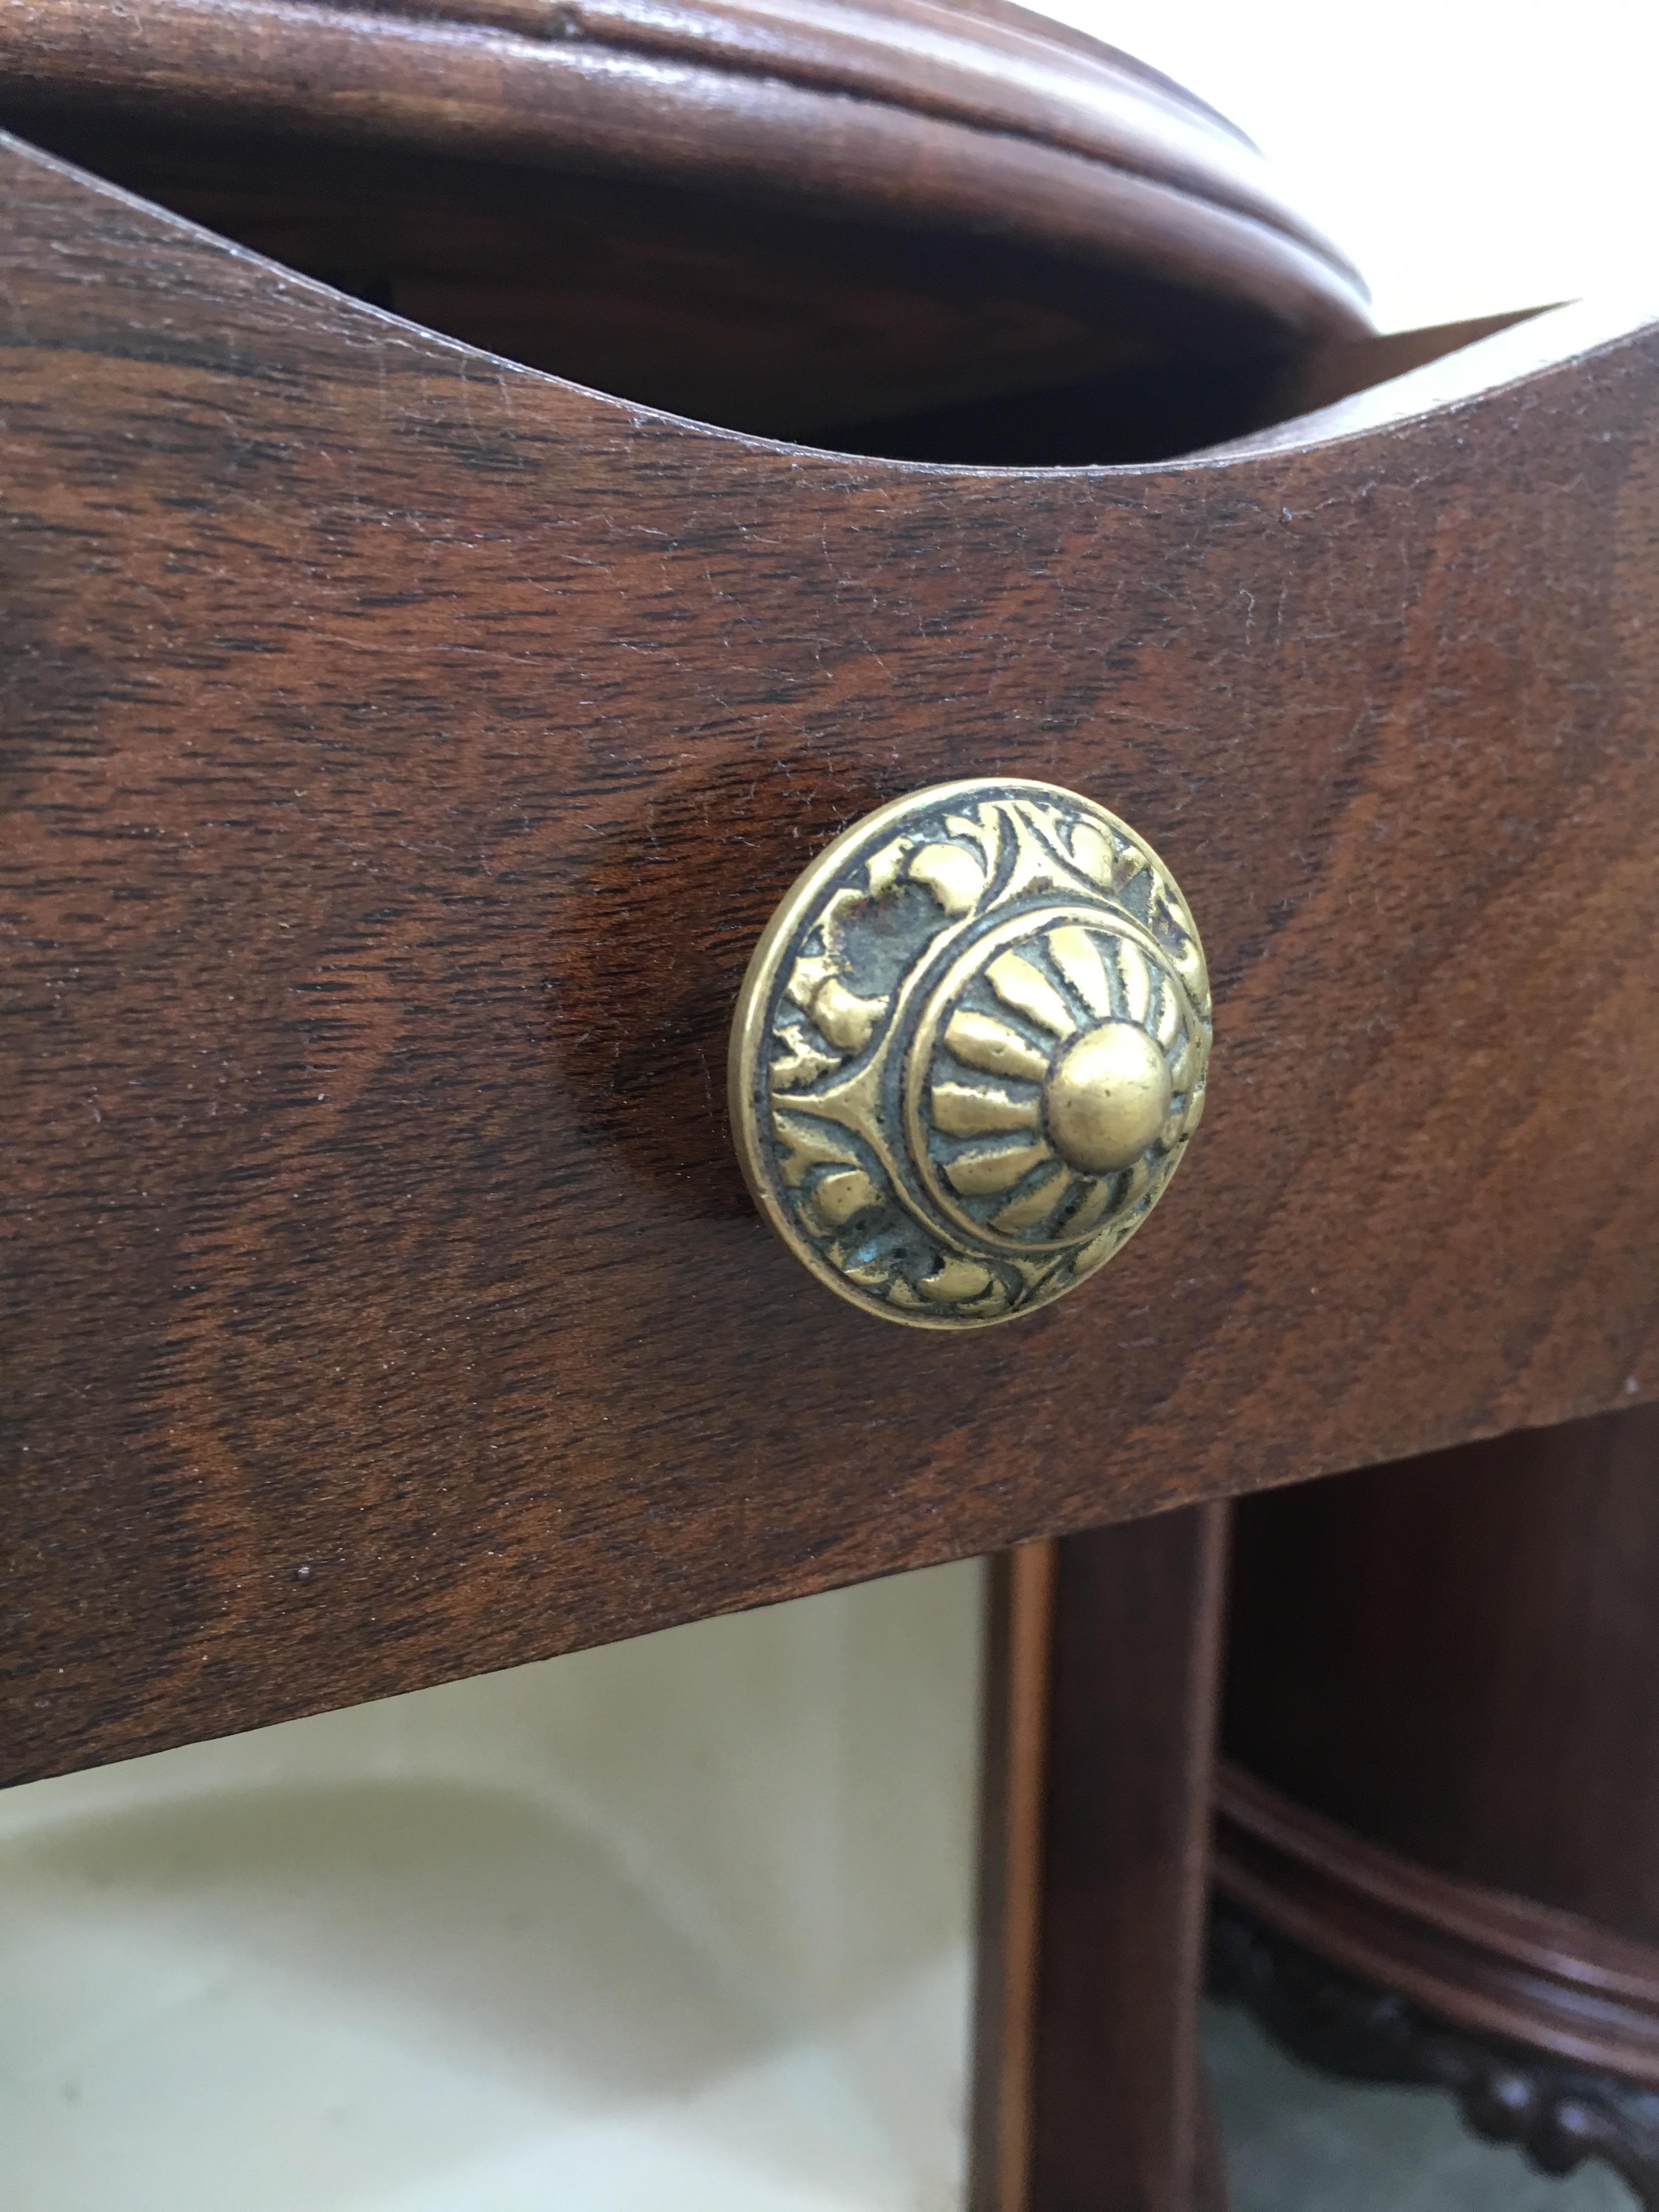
<point>970,1051</point>
<point>1559,2113</point>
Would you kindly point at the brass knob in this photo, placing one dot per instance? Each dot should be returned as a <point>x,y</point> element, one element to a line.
<point>969,1050</point>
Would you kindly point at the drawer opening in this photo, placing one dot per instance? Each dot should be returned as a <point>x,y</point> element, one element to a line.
<point>746,314</point>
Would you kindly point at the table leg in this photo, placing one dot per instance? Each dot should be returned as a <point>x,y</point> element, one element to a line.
<point>1100,1722</point>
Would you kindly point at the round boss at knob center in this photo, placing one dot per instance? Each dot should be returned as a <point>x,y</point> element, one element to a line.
<point>1108,1096</point>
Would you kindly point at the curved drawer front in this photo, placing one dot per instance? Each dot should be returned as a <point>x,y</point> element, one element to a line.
<point>405,753</point>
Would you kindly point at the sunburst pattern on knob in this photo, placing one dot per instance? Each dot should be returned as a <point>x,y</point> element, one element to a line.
<point>970,1050</point>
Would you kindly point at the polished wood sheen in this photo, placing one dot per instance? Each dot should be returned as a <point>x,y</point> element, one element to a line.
<point>1459,1658</point>
<point>984,117</point>
<point>1118,2107</point>
<point>1015,1706</point>
<point>1102,1675</point>
<point>1559,2113</point>
<point>1468,1953</point>
<point>404,750</point>
<point>780,218</point>
<point>1443,1718</point>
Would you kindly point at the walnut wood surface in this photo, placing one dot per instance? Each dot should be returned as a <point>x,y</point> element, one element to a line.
<point>1444,1698</point>
<point>1557,2112</point>
<point>1015,1707</point>
<point>985,120</point>
<point>778,321</point>
<point>1458,1659</point>
<point>1116,2096</point>
<point>782,220</point>
<point>1487,1958</point>
<point>403,752</point>
<point>1103,1660</point>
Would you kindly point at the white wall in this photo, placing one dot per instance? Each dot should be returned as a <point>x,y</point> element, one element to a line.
<point>1470,156</point>
<point>678,1926</point>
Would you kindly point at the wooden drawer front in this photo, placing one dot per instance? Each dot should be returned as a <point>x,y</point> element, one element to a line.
<point>404,752</point>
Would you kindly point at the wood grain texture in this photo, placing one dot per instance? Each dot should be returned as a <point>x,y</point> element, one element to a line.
<point>789,221</point>
<point>1015,1704</point>
<point>787,322</point>
<point>985,122</point>
<point>1458,1660</point>
<point>1487,1958</point>
<point>1103,1660</point>
<point>1558,2113</point>
<point>1444,1702</point>
<point>402,754</point>
<point>1116,2101</point>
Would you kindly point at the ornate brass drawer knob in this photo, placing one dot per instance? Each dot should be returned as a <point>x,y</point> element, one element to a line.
<point>970,1051</point>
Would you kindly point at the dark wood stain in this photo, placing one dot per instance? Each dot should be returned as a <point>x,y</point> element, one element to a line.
<point>1456,1658</point>
<point>1443,1707</point>
<point>1119,2115</point>
<point>403,751</point>
<point>988,121</point>
<point>1487,1961</point>
<point>801,226</point>
<point>1102,1677</point>
<point>1016,1706</point>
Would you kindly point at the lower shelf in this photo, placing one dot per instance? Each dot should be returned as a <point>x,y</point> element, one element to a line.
<point>1277,1868</point>
<point>1495,1964</point>
<point>1302,2139</point>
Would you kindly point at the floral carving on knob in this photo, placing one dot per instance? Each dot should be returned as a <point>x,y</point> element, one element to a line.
<point>970,1050</point>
